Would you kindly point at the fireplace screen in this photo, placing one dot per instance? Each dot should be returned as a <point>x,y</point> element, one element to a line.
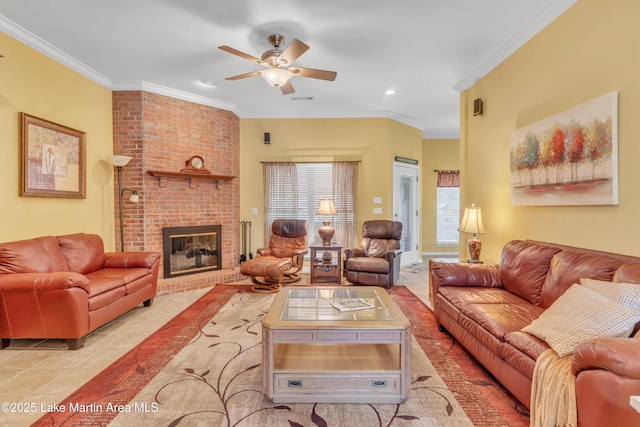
<point>190,250</point>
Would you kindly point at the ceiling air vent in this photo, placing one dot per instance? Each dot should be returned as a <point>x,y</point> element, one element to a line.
<point>302,98</point>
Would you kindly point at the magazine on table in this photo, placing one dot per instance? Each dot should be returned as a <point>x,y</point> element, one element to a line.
<point>351,304</point>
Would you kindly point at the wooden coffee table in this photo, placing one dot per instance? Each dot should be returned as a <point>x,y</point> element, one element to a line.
<point>313,352</point>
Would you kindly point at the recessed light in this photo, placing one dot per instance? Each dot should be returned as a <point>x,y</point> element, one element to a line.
<point>207,83</point>
<point>390,92</point>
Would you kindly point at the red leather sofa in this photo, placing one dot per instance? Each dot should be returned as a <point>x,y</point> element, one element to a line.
<point>485,307</point>
<point>66,286</point>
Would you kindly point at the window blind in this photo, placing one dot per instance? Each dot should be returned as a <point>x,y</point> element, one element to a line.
<point>294,190</point>
<point>448,208</point>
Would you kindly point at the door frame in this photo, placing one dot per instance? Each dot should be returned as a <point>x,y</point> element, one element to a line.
<point>413,256</point>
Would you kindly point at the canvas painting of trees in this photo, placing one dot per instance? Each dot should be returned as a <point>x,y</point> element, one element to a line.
<point>570,158</point>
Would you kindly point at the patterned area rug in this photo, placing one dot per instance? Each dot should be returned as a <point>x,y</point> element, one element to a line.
<point>204,368</point>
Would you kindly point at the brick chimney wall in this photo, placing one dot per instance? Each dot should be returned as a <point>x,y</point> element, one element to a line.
<point>161,133</point>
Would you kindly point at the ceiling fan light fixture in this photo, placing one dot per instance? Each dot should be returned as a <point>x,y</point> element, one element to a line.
<point>276,77</point>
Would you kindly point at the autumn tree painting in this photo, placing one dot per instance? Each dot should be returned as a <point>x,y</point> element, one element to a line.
<point>569,158</point>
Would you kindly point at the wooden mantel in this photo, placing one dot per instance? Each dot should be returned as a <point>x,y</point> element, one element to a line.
<point>189,175</point>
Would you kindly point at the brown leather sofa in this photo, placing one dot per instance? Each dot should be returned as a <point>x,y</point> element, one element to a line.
<point>485,307</point>
<point>67,286</point>
<point>377,261</point>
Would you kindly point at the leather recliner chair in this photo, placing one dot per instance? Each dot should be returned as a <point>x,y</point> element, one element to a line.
<point>377,261</point>
<point>288,240</point>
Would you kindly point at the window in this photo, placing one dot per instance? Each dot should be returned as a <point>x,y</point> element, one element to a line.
<point>294,190</point>
<point>448,208</point>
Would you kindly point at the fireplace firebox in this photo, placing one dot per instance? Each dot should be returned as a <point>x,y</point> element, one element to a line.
<point>191,250</point>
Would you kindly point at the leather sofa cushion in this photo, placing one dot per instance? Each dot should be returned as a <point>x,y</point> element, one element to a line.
<point>526,343</point>
<point>567,268</point>
<point>138,284</point>
<point>460,296</point>
<point>480,334</point>
<point>524,266</point>
<point>84,253</point>
<point>500,319</point>
<point>110,278</point>
<point>487,313</point>
<point>39,255</point>
<point>521,356</point>
<point>99,284</point>
<point>106,298</point>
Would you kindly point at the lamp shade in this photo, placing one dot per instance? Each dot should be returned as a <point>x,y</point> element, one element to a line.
<point>472,220</point>
<point>326,208</point>
<point>276,77</point>
<point>119,161</point>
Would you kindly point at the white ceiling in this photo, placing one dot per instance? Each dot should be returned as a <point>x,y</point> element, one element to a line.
<point>425,50</point>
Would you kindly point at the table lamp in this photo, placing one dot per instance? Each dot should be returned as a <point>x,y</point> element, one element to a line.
<point>326,232</point>
<point>472,223</point>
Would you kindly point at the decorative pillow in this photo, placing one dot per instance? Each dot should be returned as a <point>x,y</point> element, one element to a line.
<point>626,294</point>
<point>580,314</point>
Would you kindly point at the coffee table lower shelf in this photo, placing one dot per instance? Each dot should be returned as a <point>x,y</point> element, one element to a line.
<point>336,373</point>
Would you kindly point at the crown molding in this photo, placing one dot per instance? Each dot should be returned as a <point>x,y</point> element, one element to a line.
<point>173,93</point>
<point>336,115</point>
<point>46,48</point>
<point>22,35</point>
<point>553,10</point>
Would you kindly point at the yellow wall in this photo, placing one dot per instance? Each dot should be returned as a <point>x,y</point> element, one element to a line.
<point>437,154</point>
<point>588,51</point>
<point>374,142</point>
<point>32,83</point>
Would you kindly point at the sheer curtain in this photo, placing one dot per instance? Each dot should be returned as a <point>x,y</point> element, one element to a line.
<point>281,194</point>
<point>345,199</point>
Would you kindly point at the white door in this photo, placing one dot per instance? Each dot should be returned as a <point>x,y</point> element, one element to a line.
<point>406,210</point>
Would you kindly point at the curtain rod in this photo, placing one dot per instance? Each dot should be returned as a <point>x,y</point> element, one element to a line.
<point>453,170</point>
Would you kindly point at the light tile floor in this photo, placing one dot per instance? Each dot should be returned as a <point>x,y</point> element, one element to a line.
<point>43,372</point>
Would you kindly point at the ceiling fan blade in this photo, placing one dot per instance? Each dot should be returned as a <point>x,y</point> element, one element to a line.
<point>314,74</point>
<point>292,52</point>
<point>287,88</point>
<point>244,76</point>
<point>241,54</point>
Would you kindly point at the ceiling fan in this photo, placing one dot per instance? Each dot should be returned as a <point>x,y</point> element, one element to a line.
<point>278,61</point>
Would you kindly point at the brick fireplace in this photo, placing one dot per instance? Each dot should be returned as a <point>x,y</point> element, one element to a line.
<point>161,133</point>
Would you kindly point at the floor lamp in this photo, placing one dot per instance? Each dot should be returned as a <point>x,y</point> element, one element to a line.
<point>119,162</point>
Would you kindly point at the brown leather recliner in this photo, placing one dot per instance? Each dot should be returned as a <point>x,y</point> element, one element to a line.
<point>377,261</point>
<point>283,259</point>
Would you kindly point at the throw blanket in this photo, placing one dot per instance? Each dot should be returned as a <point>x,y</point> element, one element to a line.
<point>553,392</point>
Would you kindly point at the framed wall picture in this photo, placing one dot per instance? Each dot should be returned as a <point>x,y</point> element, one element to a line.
<point>52,159</point>
<point>570,158</point>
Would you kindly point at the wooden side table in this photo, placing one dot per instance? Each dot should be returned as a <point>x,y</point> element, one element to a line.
<point>326,262</point>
